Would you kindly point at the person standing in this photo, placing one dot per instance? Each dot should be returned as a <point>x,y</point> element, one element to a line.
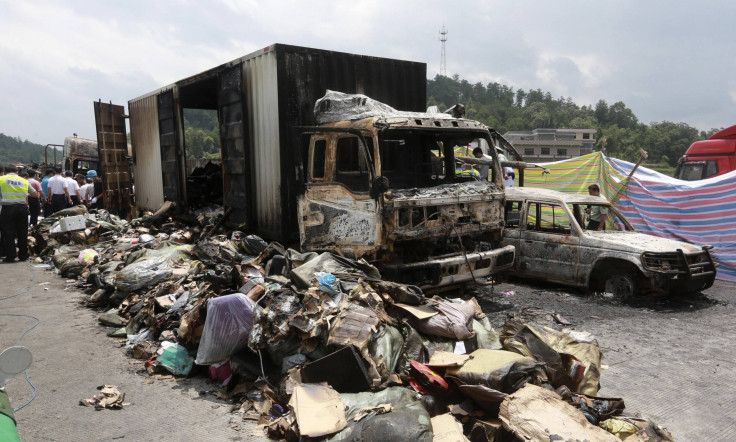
<point>509,182</point>
<point>506,170</point>
<point>87,191</point>
<point>96,202</point>
<point>14,192</point>
<point>79,179</point>
<point>34,203</point>
<point>59,191</point>
<point>73,188</point>
<point>597,214</point>
<point>482,168</point>
<point>45,190</point>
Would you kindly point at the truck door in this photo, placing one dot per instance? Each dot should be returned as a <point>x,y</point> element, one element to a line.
<point>233,142</point>
<point>336,210</point>
<point>172,159</point>
<point>548,245</point>
<point>112,148</point>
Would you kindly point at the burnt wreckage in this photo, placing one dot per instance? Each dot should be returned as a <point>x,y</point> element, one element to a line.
<point>386,186</point>
<point>338,172</point>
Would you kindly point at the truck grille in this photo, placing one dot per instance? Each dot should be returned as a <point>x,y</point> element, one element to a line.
<point>663,261</point>
<point>696,264</point>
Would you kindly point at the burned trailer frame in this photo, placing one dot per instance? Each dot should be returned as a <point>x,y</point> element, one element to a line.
<point>438,235</point>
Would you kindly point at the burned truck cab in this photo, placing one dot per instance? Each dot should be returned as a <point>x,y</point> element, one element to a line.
<point>387,186</point>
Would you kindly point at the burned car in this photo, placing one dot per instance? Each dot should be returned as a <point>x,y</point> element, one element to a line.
<point>552,243</point>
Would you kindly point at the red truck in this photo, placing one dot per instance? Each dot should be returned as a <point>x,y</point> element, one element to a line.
<point>708,158</point>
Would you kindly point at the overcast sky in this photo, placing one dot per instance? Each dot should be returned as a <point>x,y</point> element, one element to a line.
<point>665,60</point>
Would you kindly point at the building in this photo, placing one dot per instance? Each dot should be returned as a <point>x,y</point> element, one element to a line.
<point>546,145</point>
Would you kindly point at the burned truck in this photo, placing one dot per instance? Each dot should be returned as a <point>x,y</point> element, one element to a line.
<point>379,185</point>
<point>80,155</point>
<point>384,185</point>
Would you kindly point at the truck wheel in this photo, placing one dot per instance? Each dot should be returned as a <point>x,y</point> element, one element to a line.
<point>622,286</point>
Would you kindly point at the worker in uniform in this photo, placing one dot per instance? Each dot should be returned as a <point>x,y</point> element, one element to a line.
<point>14,192</point>
<point>464,170</point>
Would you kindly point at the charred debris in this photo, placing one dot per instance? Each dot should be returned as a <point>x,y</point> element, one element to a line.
<point>315,345</point>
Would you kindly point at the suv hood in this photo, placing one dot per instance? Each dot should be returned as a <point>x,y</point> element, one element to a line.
<point>639,242</point>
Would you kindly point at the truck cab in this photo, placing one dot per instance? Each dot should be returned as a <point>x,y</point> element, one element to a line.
<point>80,155</point>
<point>708,158</point>
<point>386,186</point>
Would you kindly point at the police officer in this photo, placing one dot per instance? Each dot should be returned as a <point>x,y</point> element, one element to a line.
<point>14,192</point>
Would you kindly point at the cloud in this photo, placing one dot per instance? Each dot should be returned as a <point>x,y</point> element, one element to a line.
<point>664,60</point>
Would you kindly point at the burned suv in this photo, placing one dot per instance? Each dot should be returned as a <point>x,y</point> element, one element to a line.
<point>548,230</point>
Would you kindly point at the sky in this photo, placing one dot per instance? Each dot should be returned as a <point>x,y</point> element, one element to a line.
<point>667,61</point>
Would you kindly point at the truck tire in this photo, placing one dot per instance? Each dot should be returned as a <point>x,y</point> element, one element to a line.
<point>621,285</point>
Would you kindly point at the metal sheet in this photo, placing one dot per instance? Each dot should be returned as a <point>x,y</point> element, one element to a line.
<point>170,150</point>
<point>262,113</point>
<point>113,150</point>
<point>233,143</point>
<point>146,146</point>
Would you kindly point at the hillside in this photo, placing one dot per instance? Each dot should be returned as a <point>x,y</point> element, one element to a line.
<point>15,150</point>
<point>505,109</point>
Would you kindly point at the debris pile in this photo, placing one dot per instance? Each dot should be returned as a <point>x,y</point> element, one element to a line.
<point>317,345</point>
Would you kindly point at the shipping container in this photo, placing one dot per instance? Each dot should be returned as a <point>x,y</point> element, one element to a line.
<point>261,99</point>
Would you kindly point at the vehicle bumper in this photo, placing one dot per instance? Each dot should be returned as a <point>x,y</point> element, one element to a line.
<point>682,282</point>
<point>694,272</point>
<point>447,271</point>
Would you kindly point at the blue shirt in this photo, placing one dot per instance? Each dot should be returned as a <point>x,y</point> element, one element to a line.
<point>45,185</point>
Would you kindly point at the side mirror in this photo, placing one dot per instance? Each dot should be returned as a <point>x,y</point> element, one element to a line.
<point>379,185</point>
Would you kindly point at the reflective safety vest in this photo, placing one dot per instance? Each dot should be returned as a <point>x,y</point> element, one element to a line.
<point>13,190</point>
<point>468,172</point>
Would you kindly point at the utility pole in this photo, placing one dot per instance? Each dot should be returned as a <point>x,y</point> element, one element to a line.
<point>443,59</point>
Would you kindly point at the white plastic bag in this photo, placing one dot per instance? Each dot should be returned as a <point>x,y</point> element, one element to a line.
<point>226,329</point>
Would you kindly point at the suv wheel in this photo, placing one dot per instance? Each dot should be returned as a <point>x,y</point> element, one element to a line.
<point>621,286</point>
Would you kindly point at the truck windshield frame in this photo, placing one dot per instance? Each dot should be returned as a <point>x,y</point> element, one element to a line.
<point>421,158</point>
<point>696,170</point>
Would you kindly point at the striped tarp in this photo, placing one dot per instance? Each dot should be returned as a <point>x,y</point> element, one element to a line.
<point>698,212</point>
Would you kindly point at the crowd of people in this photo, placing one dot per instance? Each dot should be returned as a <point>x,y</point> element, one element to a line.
<point>23,198</point>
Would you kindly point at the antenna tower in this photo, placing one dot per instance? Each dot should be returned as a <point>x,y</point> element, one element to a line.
<point>443,59</point>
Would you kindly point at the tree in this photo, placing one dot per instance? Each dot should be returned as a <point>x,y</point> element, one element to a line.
<point>505,109</point>
<point>601,112</point>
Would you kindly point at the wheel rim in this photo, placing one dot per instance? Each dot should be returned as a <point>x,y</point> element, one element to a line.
<point>621,286</point>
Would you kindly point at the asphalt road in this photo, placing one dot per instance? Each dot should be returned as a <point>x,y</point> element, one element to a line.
<point>671,360</point>
<point>73,355</point>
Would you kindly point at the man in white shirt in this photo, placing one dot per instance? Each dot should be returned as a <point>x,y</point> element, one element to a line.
<point>73,188</point>
<point>58,191</point>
